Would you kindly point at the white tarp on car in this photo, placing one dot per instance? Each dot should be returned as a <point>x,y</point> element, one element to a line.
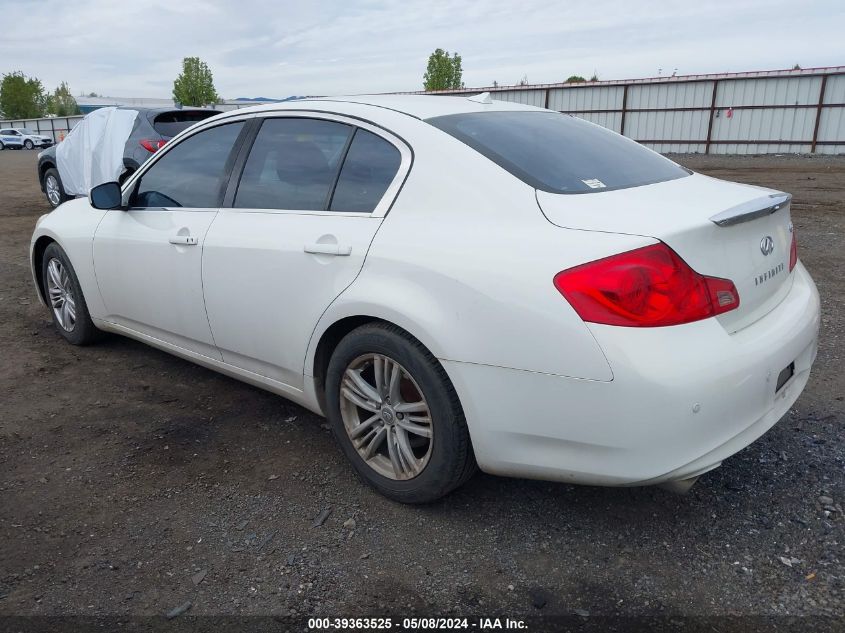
<point>93,151</point>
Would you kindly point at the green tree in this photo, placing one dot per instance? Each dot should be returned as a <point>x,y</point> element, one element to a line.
<point>595,77</point>
<point>62,102</point>
<point>443,72</point>
<point>194,86</point>
<point>575,79</point>
<point>21,97</point>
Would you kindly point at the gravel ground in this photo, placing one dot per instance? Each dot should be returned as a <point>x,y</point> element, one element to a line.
<point>132,482</point>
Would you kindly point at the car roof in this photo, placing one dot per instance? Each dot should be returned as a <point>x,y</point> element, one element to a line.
<point>418,106</point>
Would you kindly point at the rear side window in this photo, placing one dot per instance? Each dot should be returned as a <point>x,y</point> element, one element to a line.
<point>559,153</point>
<point>368,170</point>
<point>192,173</point>
<point>169,124</point>
<point>293,164</point>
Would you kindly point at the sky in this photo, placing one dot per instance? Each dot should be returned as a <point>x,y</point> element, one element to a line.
<point>276,49</point>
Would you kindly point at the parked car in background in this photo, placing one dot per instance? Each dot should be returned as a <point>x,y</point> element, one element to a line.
<point>453,281</point>
<point>10,140</point>
<point>29,138</point>
<point>152,129</point>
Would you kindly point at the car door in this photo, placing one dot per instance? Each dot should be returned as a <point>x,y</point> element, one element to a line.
<point>10,137</point>
<point>148,258</point>
<point>293,235</point>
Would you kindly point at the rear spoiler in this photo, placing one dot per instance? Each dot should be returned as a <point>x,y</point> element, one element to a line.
<point>752,210</point>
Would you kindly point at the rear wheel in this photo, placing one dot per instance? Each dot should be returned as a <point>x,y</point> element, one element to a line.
<point>396,415</point>
<point>29,144</point>
<point>53,188</point>
<point>65,299</point>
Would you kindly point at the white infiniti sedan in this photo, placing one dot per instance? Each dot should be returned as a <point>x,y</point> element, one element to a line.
<point>453,281</point>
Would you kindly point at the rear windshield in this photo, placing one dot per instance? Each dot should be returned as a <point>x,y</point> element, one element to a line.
<point>559,153</point>
<point>171,123</point>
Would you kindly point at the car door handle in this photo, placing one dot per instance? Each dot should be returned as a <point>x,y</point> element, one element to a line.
<point>183,240</point>
<point>328,249</point>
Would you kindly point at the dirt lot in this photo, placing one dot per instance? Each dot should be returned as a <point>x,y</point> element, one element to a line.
<point>126,475</point>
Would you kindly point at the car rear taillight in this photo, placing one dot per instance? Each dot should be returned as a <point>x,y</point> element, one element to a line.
<point>793,251</point>
<point>152,145</point>
<point>647,287</point>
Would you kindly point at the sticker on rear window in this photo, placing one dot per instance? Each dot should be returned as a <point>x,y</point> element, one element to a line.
<point>594,183</point>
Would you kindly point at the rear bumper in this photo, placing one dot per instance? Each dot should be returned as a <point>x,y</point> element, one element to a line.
<point>682,400</point>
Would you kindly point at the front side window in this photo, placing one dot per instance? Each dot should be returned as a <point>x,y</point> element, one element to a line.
<point>559,153</point>
<point>293,164</point>
<point>369,168</point>
<point>191,174</point>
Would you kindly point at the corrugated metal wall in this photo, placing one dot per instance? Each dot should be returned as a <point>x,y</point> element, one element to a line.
<point>768,112</point>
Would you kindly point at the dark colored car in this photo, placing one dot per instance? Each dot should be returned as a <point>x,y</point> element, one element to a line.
<point>153,128</point>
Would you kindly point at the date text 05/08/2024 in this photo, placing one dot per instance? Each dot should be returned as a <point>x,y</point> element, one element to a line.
<point>415,624</point>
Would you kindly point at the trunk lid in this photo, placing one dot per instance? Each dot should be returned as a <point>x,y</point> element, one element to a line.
<point>750,247</point>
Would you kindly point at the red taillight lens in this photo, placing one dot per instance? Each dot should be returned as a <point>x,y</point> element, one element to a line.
<point>152,145</point>
<point>647,287</point>
<point>793,252</point>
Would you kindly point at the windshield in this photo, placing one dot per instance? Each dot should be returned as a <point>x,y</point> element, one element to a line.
<point>26,131</point>
<point>559,153</point>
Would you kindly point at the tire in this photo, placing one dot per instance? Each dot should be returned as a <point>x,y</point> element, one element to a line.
<point>2,147</point>
<point>58,193</point>
<point>438,463</point>
<point>29,144</point>
<point>60,284</point>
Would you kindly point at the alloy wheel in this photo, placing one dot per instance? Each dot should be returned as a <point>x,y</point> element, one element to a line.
<point>386,416</point>
<point>51,184</point>
<point>60,291</point>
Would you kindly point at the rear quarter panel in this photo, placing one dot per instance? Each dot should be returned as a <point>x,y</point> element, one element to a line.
<point>465,260</point>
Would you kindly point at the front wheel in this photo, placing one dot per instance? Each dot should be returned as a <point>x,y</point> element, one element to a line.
<point>396,415</point>
<point>53,188</point>
<point>2,147</point>
<point>65,299</point>
<point>29,144</point>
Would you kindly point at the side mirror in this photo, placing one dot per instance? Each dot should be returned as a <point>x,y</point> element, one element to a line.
<point>106,196</point>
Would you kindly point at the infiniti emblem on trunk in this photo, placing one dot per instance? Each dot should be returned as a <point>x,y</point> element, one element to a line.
<point>767,245</point>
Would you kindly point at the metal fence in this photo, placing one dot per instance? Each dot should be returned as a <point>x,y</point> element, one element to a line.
<point>785,111</point>
<point>55,127</point>
<point>775,111</point>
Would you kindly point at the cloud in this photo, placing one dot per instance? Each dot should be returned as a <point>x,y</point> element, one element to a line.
<point>281,48</point>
